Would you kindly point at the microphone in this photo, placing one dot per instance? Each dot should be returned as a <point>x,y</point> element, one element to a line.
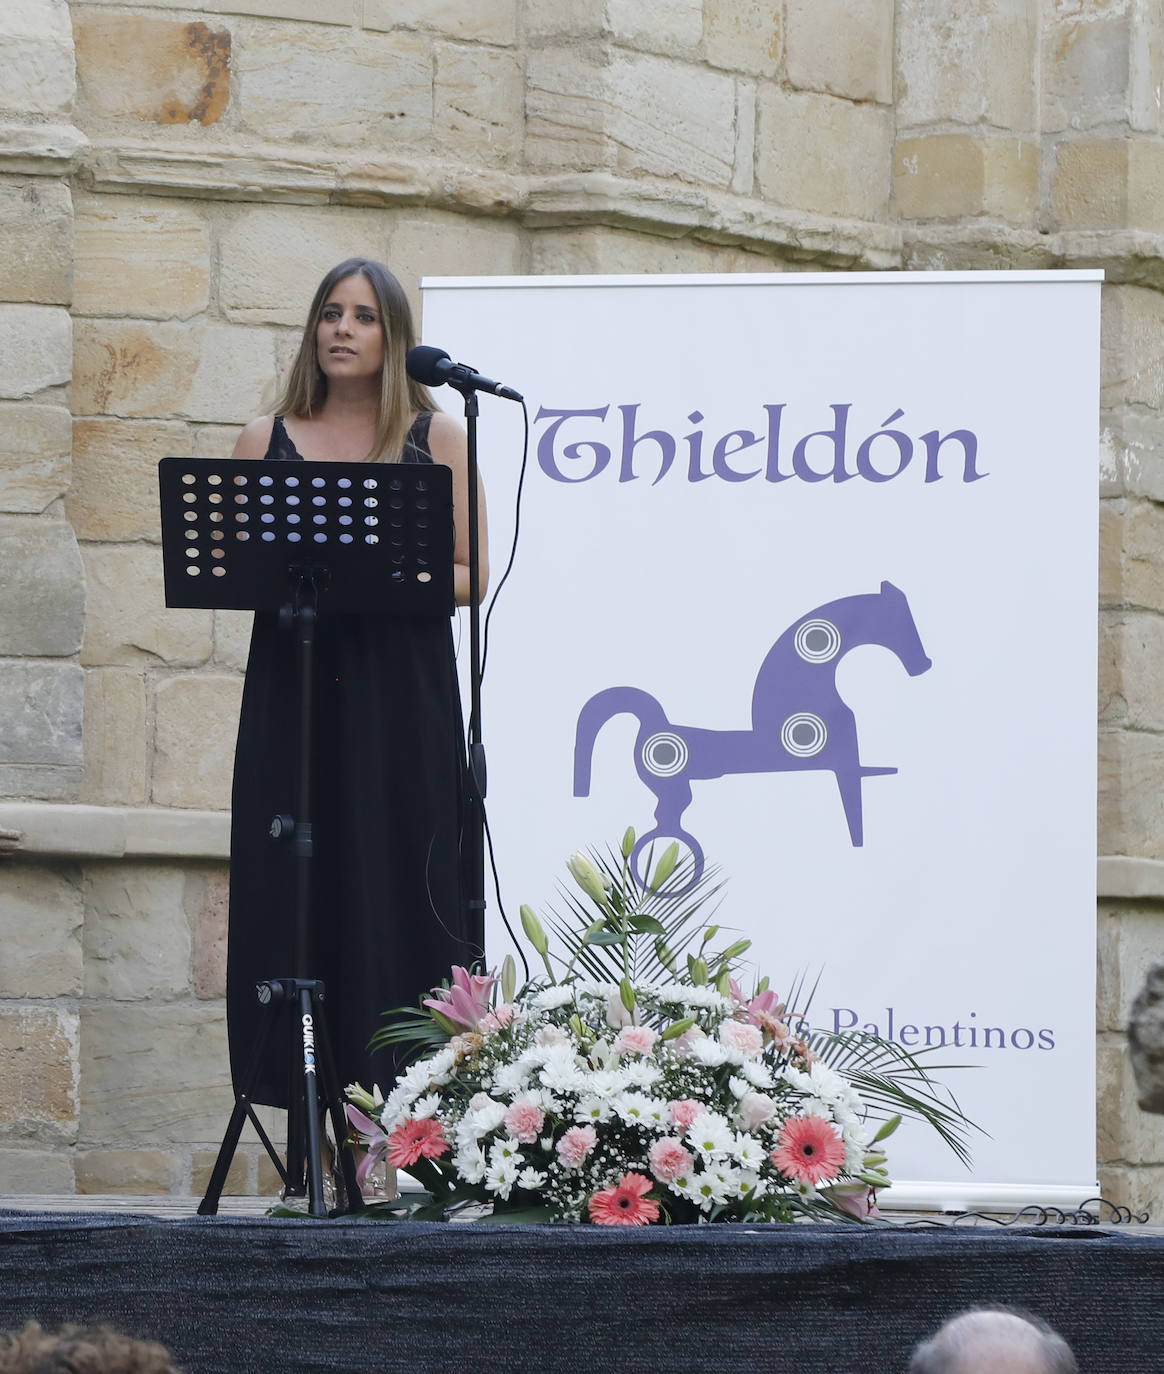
<point>434,367</point>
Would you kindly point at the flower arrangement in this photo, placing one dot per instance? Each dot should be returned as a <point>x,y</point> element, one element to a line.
<point>636,1082</point>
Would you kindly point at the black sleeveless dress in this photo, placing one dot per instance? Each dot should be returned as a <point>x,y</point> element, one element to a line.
<point>388,900</point>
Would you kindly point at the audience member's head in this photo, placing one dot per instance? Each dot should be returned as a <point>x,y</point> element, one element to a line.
<point>994,1340</point>
<point>80,1350</point>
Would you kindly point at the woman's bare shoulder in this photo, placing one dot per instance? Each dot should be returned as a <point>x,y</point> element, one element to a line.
<point>255,439</point>
<point>446,438</point>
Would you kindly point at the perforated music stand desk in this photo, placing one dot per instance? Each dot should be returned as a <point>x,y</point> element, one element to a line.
<point>304,538</point>
<point>375,538</point>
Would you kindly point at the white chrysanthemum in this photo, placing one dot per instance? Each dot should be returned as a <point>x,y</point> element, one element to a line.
<point>749,1152</point>
<point>711,1053</point>
<point>549,999</point>
<point>470,1164</point>
<point>512,1079</point>
<point>425,1107</point>
<point>561,1072</point>
<point>506,1149</point>
<point>706,1192</point>
<point>607,1082</point>
<point>636,1109</point>
<point>532,1179</point>
<point>710,1135</point>
<point>591,1109</point>
<point>485,1118</point>
<point>500,1177</point>
<point>740,1087</point>
<point>827,1084</point>
<point>758,1074</point>
<point>641,1073</point>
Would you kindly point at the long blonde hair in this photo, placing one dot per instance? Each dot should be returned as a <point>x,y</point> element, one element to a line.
<point>306,388</point>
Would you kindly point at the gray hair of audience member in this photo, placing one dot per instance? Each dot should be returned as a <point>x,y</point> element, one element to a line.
<point>994,1338</point>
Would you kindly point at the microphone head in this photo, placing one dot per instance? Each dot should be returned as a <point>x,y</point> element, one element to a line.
<point>427,365</point>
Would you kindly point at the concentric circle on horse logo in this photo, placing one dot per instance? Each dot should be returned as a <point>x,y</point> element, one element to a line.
<point>803,734</point>
<point>665,754</point>
<point>817,641</point>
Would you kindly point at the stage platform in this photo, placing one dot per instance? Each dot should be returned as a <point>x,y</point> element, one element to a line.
<point>243,1291</point>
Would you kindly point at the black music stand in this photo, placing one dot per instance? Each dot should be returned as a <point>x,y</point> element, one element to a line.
<point>303,539</point>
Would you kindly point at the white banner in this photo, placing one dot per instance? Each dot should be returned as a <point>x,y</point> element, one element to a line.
<point>807,578</point>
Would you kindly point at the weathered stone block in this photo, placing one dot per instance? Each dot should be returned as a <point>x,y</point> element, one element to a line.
<point>1142,568</point>
<point>967,62</point>
<point>114,494</point>
<point>489,21</point>
<point>159,70</point>
<point>201,371</point>
<point>1146,112</point>
<point>1112,519</point>
<point>1132,452</point>
<point>196,731</point>
<point>567,251</point>
<point>238,1176</point>
<point>271,259</point>
<point>1111,183</point>
<point>664,26</point>
<point>1131,940</point>
<point>828,156</point>
<point>35,449</point>
<point>137,938</point>
<point>41,705</point>
<point>671,119</point>
<point>40,930</point>
<point>128,622</point>
<point>215,441</point>
<point>42,610</point>
<point>437,244</point>
<point>953,176</point>
<point>36,228</point>
<point>1132,370</point>
<point>1141,1189</point>
<point>35,1170</point>
<point>38,1073</point>
<point>232,638</point>
<point>37,75</point>
<point>153,1075</point>
<point>206,900</point>
<point>567,107</point>
<point>478,102</point>
<point>289,79</point>
<point>145,258</point>
<point>1132,670</point>
<point>1131,800</point>
<point>743,35</point>
<point>841,47</point>
<point>36,349</point>
<point>142,1173</point>
<point>1124,1133</point>
<point>116,737</point>
<point>1086,67</point>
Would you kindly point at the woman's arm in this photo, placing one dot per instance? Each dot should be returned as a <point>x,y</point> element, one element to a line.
<point>448,445</point>
<point>255,438</point>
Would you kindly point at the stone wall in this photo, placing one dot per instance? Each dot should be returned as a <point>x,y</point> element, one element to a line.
<point>174,178</point>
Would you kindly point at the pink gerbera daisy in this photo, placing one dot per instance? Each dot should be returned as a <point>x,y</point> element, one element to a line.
<point>808,1150</point>
<point>413,1140</point>
<point>624,1204</point>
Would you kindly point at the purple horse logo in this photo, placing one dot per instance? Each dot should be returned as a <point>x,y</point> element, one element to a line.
<point>799,721</point>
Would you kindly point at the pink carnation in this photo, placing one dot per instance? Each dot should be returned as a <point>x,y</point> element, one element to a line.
<point>635,1040</point>
<point>740,1035</point>
<point>524,1121</point>
<point>576,1144</point>
<point>685,1112</point>
<point>670,1159</point>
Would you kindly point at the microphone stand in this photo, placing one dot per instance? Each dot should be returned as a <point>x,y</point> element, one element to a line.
<point>475,828</point>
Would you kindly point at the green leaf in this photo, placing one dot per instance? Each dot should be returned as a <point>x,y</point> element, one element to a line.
<point>647,925</point>
<point>605,938</point>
